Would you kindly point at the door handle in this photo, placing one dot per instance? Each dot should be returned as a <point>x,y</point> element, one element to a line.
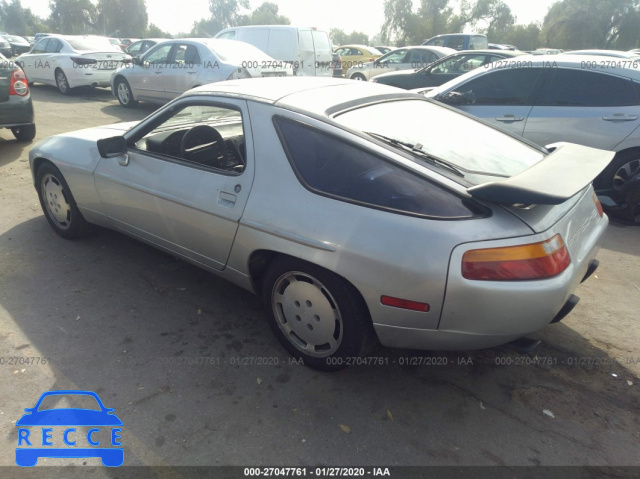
<point>620,117</point>
<point>226,199</point>
<point>510,118</point>
<point>191,73</point>
<point>157,72</point>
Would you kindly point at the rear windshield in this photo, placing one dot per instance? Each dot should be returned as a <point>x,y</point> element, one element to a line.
<point>92,44</point>
<point>482,153</point>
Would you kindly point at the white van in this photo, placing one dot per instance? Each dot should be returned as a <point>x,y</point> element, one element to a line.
<point>308,50</point>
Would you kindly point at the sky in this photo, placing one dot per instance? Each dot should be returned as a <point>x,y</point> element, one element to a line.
<point>361,15</point>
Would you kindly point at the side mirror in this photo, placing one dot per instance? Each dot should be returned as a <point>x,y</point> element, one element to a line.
<point>136,61</point>
<point>112,147</point>
<point>453,98</point>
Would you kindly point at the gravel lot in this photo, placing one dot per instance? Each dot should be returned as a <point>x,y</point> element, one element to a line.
<point>192,369</point>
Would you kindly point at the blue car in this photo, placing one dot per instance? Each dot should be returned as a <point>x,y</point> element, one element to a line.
<point>73,417</point>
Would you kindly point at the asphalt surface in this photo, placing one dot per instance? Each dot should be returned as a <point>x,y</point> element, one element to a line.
<point>197,378</point>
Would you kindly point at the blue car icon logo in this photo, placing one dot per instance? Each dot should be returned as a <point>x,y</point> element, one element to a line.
<point>36,432</point>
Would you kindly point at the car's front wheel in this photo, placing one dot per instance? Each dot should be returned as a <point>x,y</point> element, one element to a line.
<point>58,203</point>
<point>317,315</point>
<point>358,76</point>
<point>24,132</point>
<point>62,82</point>
<point>123,93</point>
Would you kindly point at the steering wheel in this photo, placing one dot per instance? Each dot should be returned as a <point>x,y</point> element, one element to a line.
<point>203,144</point>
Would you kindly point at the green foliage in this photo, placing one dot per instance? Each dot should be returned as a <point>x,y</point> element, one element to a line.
<point>154,31</point>
<point>265,14</point>
<point>122,18</point>
<point>72,17</point>
<point>339,37</point>
<point>18,20</point>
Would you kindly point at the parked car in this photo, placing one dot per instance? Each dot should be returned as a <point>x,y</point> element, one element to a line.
<point>559,98</point>
<point>69,61</point>
<point>499,46</point>
<point>294,188</point>
<point>606,53</point>
<point>18,44</point>
<point>400,59</point>
<point>383,49</point>
<point>116,42</point>
<point>175,66</point>
<point>445,69</point>
<point>5,47</point>
<point>16,107</point>
<point>545,51</point>
<point>459,41</point>
<point>140,47</point>
<point>356,55</point>
<point>307,49</point>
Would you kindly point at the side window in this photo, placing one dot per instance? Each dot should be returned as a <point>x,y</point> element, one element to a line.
<point>159,54</point>
<point>202,135</point>
<point>332,167</point>
<point>54,46</point>
<point>457,42</point>
<point>135,48</point>
<point>41,46</point>
<point>565,87</point>
<point>437,42</point>
<point>186,54</point>
<point>502,87</point>
<point>396,56</point>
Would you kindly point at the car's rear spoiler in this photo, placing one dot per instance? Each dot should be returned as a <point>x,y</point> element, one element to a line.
<point>568,169</point>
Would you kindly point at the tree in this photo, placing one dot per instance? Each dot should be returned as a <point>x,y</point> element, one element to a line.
<point>72,17</point>
<point>224,14</point>
<point>339,37</point>
<point>265,14</point>
<point>122,18</point>
<point>18,20</point>
<point>154,31</point>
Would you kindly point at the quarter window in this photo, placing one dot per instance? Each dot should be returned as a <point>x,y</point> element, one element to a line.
<point>333,167</point>
<point>565,87</point>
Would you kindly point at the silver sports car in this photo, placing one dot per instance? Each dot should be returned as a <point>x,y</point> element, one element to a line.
<point>361,213</point>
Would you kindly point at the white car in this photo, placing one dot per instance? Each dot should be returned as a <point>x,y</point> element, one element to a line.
<point>69,61</point>
<point>172,67</point>
<point>406,58</point>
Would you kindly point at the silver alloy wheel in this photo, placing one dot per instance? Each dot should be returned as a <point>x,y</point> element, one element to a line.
<point>625,173</point>
<point>358,77</point>
<point>307,314</point>
<point>61,81</point>
<point>124,95</point>
<point>56,203</point>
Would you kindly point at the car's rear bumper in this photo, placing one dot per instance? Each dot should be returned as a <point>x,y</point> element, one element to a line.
<point>16,111</point>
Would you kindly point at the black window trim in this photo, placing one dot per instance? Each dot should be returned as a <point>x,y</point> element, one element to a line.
<point>476,210</point>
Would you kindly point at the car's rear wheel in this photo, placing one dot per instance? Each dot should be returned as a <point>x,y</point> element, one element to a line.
<point>123,93</point>
<point>58,203</point>
<point>24,132</point>
<point>624,166</point>
<point>358,76</point>
<point>317,315</point>
<point>62,82</point>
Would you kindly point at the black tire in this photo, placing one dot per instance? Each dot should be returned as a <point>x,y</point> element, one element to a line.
<point>58,204</point>
<point>358,77</point>
<point>318,316</point>
<point>61,82</point>
<point>622,168</point>
<point>124,94</point>
<point>24,132</point>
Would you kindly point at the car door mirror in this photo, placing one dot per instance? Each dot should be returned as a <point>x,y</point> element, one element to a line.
<point>112,147</point>
<point>136,61</point>
<point>453,98</point>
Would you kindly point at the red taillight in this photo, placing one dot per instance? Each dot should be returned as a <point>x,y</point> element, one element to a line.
<point>19,85</point>
<point>598,204</point>
<point>404,304</point>
<point>514,263</point>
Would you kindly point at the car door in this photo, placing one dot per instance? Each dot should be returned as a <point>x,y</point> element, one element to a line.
<point>189,206</point>
<point>32,63</point>
<point>590,108</point>
<point>501,96</point>
<point>184,66</point>
<point>417,58</point>
<point>147,81</point>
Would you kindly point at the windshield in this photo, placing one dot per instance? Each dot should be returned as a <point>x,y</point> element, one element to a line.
<point>92,43</point>
<point>481,152</point>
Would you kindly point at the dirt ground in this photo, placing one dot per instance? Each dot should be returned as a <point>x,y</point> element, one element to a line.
<point>114,316</point>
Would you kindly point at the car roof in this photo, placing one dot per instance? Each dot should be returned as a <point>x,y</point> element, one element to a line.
<point>316,96</point>
<point>509,53</point>
<point>606,53</point>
